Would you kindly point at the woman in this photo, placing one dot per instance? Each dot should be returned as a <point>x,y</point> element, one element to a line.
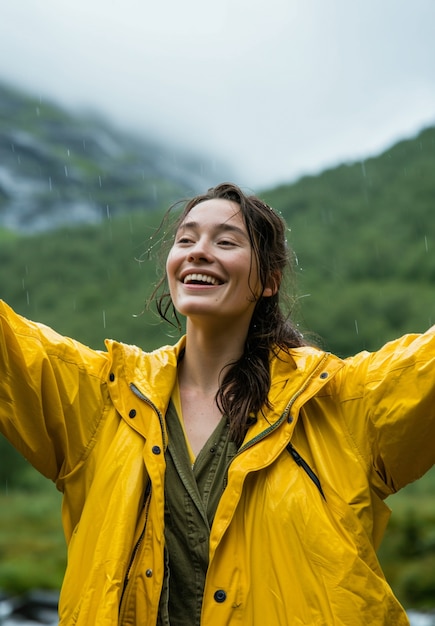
<point>237,477</point>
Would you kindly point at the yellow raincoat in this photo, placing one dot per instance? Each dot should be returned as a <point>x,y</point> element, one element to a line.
<point>283,550</point>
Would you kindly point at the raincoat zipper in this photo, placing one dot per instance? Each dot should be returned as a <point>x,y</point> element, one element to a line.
<point>302,463</point>
<point>147,496</point>
<point>138,393</point>
<point>146,503</point>
<point>278,423</point>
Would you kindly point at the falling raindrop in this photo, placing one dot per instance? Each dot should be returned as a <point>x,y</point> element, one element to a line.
<point>356,327</point>
<point>66,170</point>
<point>50,185</point>
<point>426,244</point>
<point>110,230</point>
<point>99,181</point>
<point>104,319</point>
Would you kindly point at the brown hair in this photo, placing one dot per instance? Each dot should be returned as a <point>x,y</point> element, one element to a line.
<point>245,385</point>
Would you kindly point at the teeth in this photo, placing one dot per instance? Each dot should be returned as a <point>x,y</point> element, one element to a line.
<point>201,278</point>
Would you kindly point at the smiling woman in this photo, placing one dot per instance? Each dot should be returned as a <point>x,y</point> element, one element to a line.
<point>203,481</point>
<point>237,244</point>
<point>213,259</point>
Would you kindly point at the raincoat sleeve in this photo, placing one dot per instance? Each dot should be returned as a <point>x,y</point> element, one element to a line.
<point>51,393</point>
<point>389,400</point>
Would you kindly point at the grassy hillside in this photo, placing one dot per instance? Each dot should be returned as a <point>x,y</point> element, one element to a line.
<point>88,282</point>
<point>364,236</point>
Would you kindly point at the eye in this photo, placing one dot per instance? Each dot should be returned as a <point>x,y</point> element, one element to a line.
<point>226,242</point>
<point>184,239</point>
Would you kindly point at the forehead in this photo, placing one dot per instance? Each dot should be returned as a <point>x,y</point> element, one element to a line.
<point>215,212</point>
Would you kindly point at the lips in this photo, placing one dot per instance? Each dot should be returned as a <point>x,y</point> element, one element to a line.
<point>200,279</point>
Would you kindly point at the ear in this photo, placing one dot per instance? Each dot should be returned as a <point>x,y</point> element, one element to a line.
<point>272,286</point>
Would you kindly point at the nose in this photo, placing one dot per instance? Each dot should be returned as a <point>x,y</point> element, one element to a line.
<point>199,251</point>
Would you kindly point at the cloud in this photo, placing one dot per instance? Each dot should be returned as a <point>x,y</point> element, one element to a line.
<point>275,89</point>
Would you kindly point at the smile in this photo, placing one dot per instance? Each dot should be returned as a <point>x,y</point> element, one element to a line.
<point>200,279</point>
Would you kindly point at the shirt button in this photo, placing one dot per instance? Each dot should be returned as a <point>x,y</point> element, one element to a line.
<point>149,573</point>
<point>132,413</point>
<point>220,596</point>
<point>156,449</point>
<point>324,375</point>
<point>112,377</point>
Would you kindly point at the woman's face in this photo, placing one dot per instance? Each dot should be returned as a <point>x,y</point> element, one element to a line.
<point>211,269</point>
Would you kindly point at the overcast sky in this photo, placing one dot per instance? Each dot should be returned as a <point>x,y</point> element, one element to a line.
<point>274,88</point>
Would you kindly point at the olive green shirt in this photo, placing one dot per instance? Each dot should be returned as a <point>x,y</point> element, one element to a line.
<point>192,494</point>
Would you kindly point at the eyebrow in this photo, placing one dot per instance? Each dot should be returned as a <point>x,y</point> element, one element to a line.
<point>225,227</point>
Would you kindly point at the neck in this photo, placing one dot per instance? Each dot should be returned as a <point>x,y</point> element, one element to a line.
<point>207,354</point>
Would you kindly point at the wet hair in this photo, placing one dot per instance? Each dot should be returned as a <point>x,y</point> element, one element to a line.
<point>244,389</point>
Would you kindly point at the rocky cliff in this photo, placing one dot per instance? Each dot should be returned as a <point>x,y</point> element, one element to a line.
<point>59,168</point>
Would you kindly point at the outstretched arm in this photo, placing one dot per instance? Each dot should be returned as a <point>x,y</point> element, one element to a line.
<point>51,393</point>
<point>395,389</point>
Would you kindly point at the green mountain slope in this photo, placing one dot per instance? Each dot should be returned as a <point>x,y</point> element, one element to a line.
<point>364,236</point>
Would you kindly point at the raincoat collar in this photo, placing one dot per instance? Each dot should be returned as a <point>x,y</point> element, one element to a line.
<point>296,376</point>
